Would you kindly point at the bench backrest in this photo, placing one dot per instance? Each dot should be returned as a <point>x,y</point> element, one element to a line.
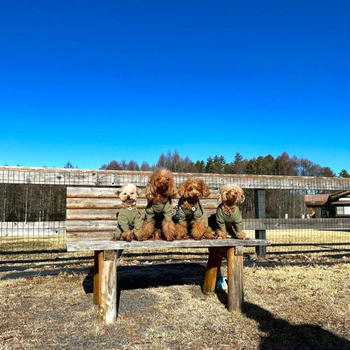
<point>91,212</point>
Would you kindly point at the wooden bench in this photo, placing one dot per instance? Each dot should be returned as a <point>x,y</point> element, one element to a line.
<point>90,224</point>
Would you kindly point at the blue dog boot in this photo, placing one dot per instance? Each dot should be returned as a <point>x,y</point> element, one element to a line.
<point>221,284</point>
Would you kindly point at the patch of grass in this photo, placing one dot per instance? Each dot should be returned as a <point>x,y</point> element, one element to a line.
<point>305,306</point>
<point>32,243</point>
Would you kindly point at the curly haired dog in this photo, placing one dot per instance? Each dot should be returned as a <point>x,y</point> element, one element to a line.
<point>228,216</point>
<point>190,211</point>
<point>160,189</point>
<point>129,218</point>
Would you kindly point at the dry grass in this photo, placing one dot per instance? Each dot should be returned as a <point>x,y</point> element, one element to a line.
<point>294,303</point>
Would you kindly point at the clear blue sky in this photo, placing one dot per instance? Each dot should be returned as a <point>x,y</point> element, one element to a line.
<point>92,81</point>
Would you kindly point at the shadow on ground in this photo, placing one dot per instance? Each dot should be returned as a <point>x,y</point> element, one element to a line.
<point>153,276</point>
<point>282,335</point>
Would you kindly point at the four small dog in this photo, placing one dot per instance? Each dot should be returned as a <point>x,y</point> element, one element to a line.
<point>191,219</point>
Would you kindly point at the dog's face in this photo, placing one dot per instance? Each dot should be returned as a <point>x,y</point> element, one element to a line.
<point>128,194</point>
<point>160,182</point>
<point>163,181</point>
<point>193,188</point>
<point>231,194</point>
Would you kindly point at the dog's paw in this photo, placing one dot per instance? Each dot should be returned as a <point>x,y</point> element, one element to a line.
<point>221,234</point>
<point>138,233</point>
<point>241,235</point>
<point>208,234</point>
<point>181,230</point>
<point>127,235</point>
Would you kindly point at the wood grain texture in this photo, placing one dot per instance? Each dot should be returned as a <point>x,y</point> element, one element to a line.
<point>91,214</point>
<point>190,243</point>
<point>235,278</point>
<point>91,236</point>
<point>108,288</point>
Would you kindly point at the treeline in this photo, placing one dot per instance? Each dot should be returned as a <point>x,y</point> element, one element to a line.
<point>28,202</point>
<point>262,165</point>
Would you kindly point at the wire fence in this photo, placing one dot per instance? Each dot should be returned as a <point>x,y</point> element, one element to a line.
<point>33,206</point>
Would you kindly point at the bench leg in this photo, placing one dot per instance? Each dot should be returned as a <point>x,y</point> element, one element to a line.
<point>235,278</point>
<point>107,286</point>
<point>213,267</point>
<point>98,261</point>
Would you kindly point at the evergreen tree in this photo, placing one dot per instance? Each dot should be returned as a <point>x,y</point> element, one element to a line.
<point>344,173</point>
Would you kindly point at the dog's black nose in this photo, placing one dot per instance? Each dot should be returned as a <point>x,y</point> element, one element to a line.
<point>128,197</point>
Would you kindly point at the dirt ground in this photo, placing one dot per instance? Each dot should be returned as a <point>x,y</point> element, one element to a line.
<point>295,302</point>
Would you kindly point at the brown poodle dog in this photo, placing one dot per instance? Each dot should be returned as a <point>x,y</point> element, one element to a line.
<point>190,211</point>
<point>160,189</point>
<point>228,216</point>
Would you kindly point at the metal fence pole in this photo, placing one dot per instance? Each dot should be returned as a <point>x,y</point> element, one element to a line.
<point>259,200</point>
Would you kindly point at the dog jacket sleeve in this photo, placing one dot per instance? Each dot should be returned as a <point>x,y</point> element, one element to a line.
<point>123,220</point>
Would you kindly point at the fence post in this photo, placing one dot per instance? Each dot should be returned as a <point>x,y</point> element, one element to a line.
<point>259,199</point>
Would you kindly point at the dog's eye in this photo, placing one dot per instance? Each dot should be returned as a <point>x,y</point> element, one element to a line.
<point>132,193</point>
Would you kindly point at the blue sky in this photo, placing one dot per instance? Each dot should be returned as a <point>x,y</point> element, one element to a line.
<point>92,81</point>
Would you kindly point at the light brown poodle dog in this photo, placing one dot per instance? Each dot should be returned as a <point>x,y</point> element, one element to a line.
<point>190,211</point>
<point>228,216</point>
<point>129,219</point>
<point>160,189</point>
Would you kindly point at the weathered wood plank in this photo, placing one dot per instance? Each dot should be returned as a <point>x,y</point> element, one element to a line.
<point>90,236</point>
<point>84,224</point>
<point>112,178</point>
<point>91,214</point>
<point>92,192</point>
<point>108,287</point>
<point>234,278</point>
<point>93,203</point>
<point>190,243</point>
<point>107,192</point>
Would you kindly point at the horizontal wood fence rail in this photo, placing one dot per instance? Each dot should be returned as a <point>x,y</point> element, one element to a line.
<point>114,178</point>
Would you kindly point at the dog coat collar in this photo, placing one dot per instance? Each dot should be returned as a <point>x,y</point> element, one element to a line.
<point>193,209</point>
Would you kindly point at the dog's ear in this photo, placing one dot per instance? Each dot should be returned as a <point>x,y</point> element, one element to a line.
<point>205,189</point>
<point>138,191</point>
<point>222,196</point>
<point>118,191</point>
<point>240,197</point>
<point>181,189</point>
<point>172,192</point>
<point>150,191</point>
